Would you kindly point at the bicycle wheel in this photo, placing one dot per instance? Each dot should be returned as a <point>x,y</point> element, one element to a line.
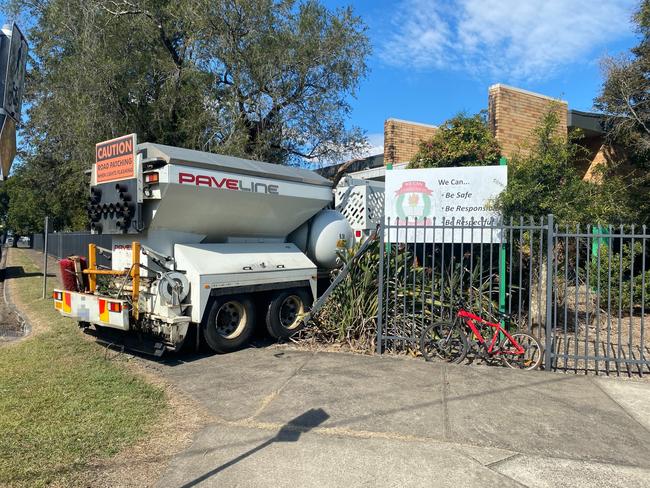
<point>443,340</point>
<point>530,359</point>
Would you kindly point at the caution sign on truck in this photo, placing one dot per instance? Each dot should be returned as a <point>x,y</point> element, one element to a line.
<point>115,159</point>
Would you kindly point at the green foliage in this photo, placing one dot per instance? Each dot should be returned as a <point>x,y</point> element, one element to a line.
<point>349,315</point>
<point>544,180</point>
<point>265,79</point>
<point>26,197</point>
<point>26,212</point>
<point>625,98</point>
<point>624,267</point>
<point>460,141</point>
<point>415,296</point>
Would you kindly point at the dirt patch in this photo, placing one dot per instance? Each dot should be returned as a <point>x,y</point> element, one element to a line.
<point>307,342</point>
<point>12,326</point>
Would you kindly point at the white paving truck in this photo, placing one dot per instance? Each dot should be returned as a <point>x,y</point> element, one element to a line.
<point>202,240</point>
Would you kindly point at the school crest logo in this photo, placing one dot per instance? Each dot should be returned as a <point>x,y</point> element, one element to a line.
<point>413,202</point>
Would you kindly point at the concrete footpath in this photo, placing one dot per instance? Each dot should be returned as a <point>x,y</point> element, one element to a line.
<point>292,418</point>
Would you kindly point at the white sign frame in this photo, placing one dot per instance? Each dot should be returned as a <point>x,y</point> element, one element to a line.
<point>444,204</point>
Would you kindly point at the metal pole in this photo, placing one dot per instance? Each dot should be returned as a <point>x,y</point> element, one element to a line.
<point>502,265</point>
<point>47,222</point>
<point>549,292</point>
<point>380,298</point>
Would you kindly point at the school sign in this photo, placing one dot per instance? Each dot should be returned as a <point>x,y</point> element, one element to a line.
<point>422,201</point>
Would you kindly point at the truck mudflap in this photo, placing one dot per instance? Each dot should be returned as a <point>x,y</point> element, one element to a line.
<point>94,309</point>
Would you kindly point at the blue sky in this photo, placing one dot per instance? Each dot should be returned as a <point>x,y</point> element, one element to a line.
<point>434,58</point>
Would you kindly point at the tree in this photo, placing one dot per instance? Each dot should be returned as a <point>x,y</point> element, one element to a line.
<point>544,180</point>
<point>264,79</point>
<point>625,98</point>
<point>26,213</point>
<point>625,94</point>
<point>460,141</point>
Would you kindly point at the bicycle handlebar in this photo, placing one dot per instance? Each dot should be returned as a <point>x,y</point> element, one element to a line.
<point>462,303</point>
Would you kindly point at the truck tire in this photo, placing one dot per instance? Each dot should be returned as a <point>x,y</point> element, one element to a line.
<point>229,324</point>
<point>285,311</point>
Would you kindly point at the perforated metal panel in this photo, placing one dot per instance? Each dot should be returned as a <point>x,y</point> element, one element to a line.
<point>361,202</point>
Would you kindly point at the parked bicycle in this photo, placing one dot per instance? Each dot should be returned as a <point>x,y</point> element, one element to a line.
<point>449,341</point>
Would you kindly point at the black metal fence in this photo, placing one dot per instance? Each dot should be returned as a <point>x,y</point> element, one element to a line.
<point>582,292</point>
<point>63,244</point>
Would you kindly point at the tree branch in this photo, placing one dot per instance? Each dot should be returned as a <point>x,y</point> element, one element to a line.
<point>631,109</point>
<point>131,9</point>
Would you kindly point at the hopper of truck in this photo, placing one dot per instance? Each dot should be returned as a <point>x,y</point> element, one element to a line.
<point>223,198</point>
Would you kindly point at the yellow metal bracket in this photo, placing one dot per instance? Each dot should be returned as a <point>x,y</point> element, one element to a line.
<point>92,266</point>
<point>134,273</point>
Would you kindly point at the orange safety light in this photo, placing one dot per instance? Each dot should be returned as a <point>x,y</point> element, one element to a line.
<point>114,307</point>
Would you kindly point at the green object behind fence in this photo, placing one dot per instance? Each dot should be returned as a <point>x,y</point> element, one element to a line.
<point>598,241</point>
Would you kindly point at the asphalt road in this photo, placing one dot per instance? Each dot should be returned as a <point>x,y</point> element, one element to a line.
<point>285,417</point>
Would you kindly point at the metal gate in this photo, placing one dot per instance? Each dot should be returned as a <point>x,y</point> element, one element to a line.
<point>582,292</point>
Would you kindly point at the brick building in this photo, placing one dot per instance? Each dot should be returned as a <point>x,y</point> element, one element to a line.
<point>513,114</point>
<point>402,139</point>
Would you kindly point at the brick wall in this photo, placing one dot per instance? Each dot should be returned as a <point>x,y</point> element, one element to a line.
<point>599,153</point>
<point>401,139</point>
<point>514,113</point>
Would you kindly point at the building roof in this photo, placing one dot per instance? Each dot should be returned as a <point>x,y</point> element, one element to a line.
<point>527,92</point>
<point>590,123</point>
<point>370,162</point>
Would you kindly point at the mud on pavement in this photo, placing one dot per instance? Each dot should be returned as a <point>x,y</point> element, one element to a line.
<point>12,325</point>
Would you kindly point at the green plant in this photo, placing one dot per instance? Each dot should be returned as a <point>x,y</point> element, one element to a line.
<point>414,294</point>
<point>625,95</point>
<point>460,141</point>
<point>350,314</point>
<point>543,179</point>
<point>623,283</point>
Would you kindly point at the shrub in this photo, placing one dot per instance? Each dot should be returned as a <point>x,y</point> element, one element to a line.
<point>460,141</point>
<point>349,317</point>
<point>625,267</point>
<point>544,180</point>
<point>350,314</point>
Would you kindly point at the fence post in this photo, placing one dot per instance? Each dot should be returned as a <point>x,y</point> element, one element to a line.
<point>502,267</point>
<point>380,298</point>
<point>549,292</point>
<point>47,230</point>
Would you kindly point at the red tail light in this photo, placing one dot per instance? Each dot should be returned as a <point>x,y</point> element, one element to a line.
<point>114,307</point>
<point>151,177</point>
<point>57,295</point>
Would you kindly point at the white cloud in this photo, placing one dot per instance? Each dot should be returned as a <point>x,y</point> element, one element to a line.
<point>507,39</point>
<point>376,142</point>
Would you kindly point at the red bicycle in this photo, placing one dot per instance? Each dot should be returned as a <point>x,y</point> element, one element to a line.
<point>449,341</point>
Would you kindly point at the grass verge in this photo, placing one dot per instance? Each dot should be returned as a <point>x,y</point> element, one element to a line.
<point>61,403</point>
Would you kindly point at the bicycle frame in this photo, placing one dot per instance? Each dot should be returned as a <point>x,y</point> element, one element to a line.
<point>470,320</point>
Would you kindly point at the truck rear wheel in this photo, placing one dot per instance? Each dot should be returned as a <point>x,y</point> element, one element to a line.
<point>285,312</point>
<point>230,324</point>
